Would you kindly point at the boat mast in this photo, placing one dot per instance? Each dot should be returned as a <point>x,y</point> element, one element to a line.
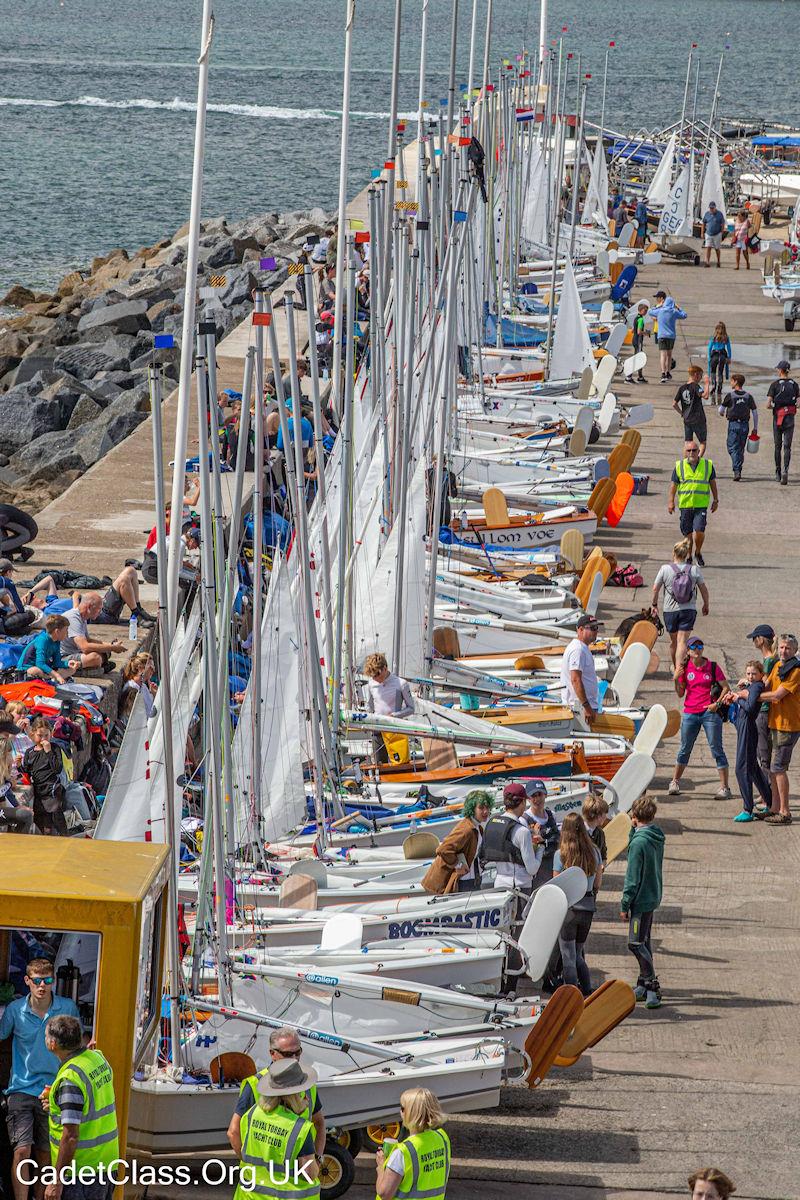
<point>342,209</point>
<point>187,335</point>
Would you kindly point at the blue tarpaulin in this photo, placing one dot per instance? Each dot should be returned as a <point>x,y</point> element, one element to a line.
<point>777,139</point>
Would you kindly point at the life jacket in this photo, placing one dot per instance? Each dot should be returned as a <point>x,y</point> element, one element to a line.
<point>98,1138</point>
<point>426,1158</point>
<point>497,844</point>
<point>694,486</point>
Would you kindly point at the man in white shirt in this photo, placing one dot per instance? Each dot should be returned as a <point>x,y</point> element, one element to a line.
<point>578,674</point>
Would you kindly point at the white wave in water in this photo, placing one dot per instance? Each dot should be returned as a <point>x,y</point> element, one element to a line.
<point>259,111</point>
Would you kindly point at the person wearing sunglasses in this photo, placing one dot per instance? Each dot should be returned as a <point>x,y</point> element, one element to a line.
<point>33,1067</point>
<point>283,1043</point>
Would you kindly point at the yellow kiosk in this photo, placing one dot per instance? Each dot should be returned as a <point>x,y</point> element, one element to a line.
<point>116,893</point>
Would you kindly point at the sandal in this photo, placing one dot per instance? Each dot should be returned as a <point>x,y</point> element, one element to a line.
<point>779,819</point>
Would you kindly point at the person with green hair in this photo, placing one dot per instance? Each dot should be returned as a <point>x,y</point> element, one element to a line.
<point>455,866</point>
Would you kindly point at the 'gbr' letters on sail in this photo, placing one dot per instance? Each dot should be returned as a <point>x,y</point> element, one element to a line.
<point>676,219</point>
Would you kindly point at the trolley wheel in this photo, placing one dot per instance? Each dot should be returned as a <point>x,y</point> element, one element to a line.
<point>351,1139</point>
<point>788,324</point>
<point>337,1171</point>
<point>374,1134</point>
<point>696,260</point>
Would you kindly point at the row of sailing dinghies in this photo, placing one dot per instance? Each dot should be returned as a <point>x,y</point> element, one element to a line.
<point>306,906</point>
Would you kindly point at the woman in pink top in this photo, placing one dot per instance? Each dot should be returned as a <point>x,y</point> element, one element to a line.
<point>699,681</point>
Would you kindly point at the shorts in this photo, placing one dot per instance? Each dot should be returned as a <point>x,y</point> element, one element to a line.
<point>27,1122</point>
<point>783,744</point>
<point>695,430</point>
<point>693,520</point>
<point>681,618</point>
<point>112,605</point>
<point>666,343</point>
<point>712,241</point>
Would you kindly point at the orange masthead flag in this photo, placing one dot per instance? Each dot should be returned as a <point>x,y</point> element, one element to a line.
<point>262,318</point>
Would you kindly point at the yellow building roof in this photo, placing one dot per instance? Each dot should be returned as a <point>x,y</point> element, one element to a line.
<point>77,868</point>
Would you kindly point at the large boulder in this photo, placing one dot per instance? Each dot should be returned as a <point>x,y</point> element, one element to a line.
<point>64,393</point>
<point>128,317</point>
<point>85,410</point>
<point>13,344</point>
<point>24,417</point>
<point>226,251</point>
<point>31,366</point>
<point>84,362</point>
<point>17,297</point>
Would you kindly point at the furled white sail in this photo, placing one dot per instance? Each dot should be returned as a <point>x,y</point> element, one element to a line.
<point>712,181</point>
<point>658,191</point>
<point>572,349</point>
<point>677,219</point>
<point>595,208</point>
<point>534,212</point>
<point>282,790</point>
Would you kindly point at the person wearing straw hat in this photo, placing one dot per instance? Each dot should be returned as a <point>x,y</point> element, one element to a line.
<point>419,1165</point>
<point>277,1155</point>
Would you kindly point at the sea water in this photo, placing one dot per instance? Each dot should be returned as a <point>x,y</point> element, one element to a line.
<point>97,100</point>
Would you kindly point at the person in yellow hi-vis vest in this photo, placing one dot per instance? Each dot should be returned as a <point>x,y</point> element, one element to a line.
<point>419,1166</point>
<point>82,1116</point>
<point>694,483</point>
<point>277,1155</point>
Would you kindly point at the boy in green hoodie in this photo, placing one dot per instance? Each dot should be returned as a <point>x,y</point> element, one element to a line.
<point>641,894</point>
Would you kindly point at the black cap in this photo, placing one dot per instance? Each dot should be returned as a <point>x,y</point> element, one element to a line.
<point>664,294</point>
<point>784,365</point>
<point>761,631</point>
<point>587,620</point>
<point>712,204</point>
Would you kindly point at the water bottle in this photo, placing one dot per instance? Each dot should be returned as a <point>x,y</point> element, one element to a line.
<point>133,628</point>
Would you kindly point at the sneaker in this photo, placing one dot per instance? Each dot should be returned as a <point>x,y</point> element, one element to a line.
<point>724,793</point>
<point>145,617</point>
<point>640,991</point>
<point>653,999</point>
<point>669,375</point>
<point>701,562</point>
<point>642,379</point>
<point>737,475</point>
<point>744,816</point>
<point>108,667</point>
<point>26,553</point>
<point>664,378</point>
<point>778,477</point>
<point>761,813</point>
<point>784,480</point>
<point>674,788</point>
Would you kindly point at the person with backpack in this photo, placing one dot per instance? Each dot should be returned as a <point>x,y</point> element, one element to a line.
<point>719,359</point>
<point>737,407</point>
<point>782,397</point>
<point>681,581</point>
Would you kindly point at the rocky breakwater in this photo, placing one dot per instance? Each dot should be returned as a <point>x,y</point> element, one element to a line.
<point>73,365</point>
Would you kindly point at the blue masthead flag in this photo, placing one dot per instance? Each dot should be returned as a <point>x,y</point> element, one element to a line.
<point>164,341</point>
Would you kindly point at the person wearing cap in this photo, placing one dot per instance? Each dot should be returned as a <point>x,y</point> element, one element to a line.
<point>782,397</point>
<point>700,683</point>
<point>541,820</point>
<point>284,1044</point>
<point>763,639</point>
<point>713,225</point>
<point>666,312</point>
<point>277,1139</point>
<point>517,852</point>
<point>455,866</point>
<point>578,674</point>
<point>14,618</point>
<point>694,484</point>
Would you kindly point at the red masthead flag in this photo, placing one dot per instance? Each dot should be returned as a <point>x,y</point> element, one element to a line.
<point>262,318</point>
<point>612,43</point>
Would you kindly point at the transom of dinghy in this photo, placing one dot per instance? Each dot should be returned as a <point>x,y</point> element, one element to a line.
<point>420,845</point>
<point>298,891</point>
<point>445,641</point>
<point>630,781</point>
<point>495,508</point>
<point>231,1067</point>
<point>630,673</point>
<point>617,832</point>
<point>644,632</point>
<point>439,755</point>
<point>557,1020</point>
<point>607,311</point>
<point>673,725</point>
<point>611,1003</point>
<point>571,549</point>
